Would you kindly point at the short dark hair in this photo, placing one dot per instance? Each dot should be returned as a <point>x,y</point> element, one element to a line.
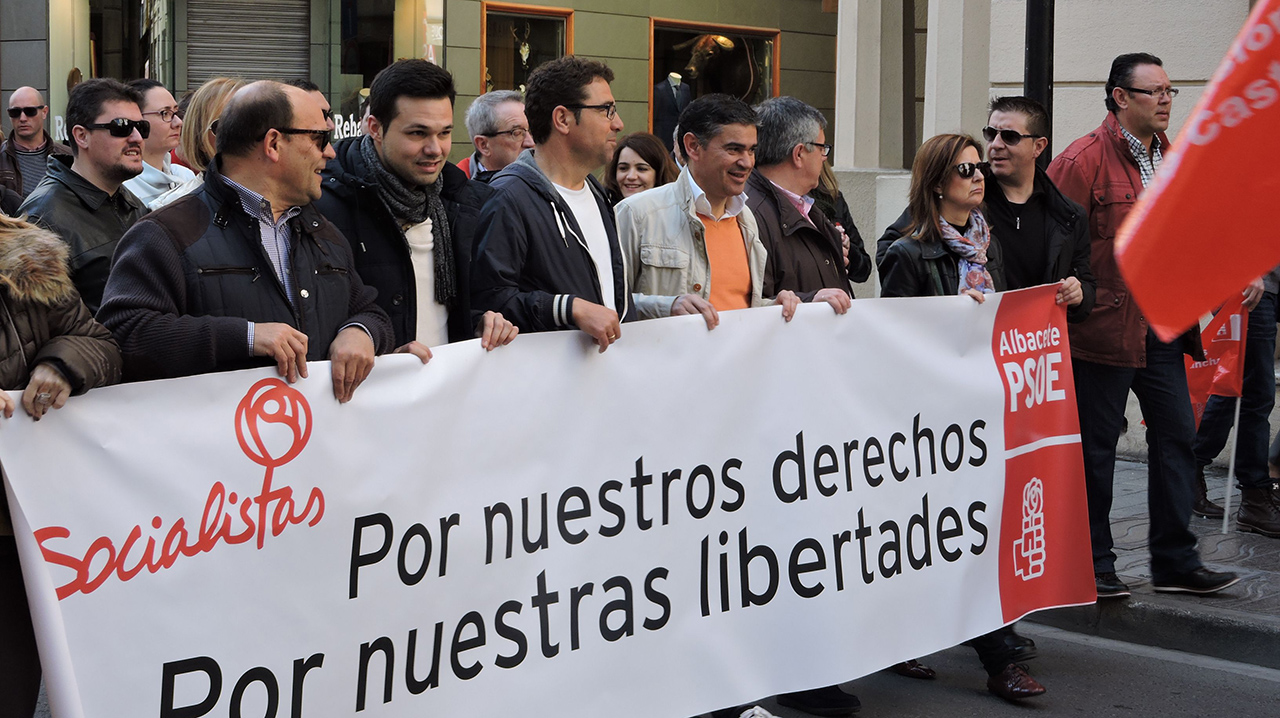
<point>558,82</point>
<point>254,110</point>
<point>303,84</point>
<point>86,101</point>
<point>707,116</point>
<point>144,85</point>
<point>1122,73</point>
<point>413,78</point>
<point>1037,116</point>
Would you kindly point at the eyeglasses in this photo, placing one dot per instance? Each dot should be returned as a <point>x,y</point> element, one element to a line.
<point>166,116</point>
<point>826,149</point>
<point>517,133</point>
<point>1170,92</point>
<point>1009,137</point>
<point>321,137</point>
<point>609,109</point>
<point>122,127</point>
<point>966,170</point>
<point>28,111</point>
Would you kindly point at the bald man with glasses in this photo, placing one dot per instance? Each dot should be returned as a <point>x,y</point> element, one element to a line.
<point>245,271</point>
<point>24,156</point>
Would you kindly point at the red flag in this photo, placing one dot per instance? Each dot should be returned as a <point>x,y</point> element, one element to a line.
<point>1222,373</point>
<point>1206,227</point>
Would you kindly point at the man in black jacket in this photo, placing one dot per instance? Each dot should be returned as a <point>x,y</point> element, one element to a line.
<point>548,255</point>
<point>1041,235</point>
<point>244,271</point>
<point>82,198</point>
<point>410,215</point>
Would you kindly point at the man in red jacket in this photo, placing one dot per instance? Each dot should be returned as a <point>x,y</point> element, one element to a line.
<point>1114,351</point>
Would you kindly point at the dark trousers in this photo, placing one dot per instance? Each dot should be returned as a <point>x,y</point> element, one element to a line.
<point>1259,397</point>
<point>993,650</point>
<point>1161,388</point>
<point>19,661</point>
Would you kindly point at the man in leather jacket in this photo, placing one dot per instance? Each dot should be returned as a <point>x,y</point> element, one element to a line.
<point>82,198</point>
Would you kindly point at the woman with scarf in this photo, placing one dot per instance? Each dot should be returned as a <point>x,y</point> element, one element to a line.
<point>947,249</point>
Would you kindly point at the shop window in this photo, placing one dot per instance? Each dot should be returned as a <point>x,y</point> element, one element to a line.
<point>518,38</point>
<point>367,29</point>
<point>691,59</point>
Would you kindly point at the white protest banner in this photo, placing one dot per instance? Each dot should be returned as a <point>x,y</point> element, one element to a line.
<point>688,521</point>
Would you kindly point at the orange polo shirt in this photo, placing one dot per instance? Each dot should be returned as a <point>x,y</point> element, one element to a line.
<point>727,257</point>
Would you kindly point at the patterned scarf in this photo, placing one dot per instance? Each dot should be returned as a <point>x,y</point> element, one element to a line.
<point>412,204</point>
<point>971,248</point>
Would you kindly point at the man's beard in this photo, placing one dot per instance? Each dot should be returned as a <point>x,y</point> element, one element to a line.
<point>120,172</point>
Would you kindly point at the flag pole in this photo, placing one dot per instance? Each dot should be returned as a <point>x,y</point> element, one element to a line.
<point>1231,468</point>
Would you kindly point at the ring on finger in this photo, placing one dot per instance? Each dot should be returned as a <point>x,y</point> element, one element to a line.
<point>44,397</point>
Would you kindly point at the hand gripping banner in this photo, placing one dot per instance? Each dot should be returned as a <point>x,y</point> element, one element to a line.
<point>688,521</point>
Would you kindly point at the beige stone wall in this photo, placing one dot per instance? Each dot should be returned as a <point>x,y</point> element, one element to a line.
<point>1190,36</point>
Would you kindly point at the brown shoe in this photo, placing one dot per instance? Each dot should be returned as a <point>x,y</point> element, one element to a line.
<point>1203,506</point>
<point>1259,511</point>
<point>1014,683</point>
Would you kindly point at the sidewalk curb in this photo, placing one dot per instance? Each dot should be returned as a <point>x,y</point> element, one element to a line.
<point>1175,623</point>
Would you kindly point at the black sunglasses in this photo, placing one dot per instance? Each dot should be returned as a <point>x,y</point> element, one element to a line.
<point>122,127</point>
<point>28,111</point>
<point>321,137</point>
<point>966,169</point>
<point>1010,137</point>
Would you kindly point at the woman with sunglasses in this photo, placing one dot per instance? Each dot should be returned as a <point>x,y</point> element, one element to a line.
<point>159,173</point>
<point>947,248</point>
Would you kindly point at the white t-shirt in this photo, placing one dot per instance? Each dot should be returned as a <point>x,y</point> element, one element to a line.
<point>433,317</point>
<point>583,205</point>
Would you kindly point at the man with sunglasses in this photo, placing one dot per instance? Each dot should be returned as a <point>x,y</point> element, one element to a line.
<point>83,198</point>
<point>1113,350</point>
<point>548,255</point>
<point>24,156</point>
<point>807,254</point>
<point>409,214</point>
<point>1043,234</point>
<point>245,271</point>
<point>499,131</point>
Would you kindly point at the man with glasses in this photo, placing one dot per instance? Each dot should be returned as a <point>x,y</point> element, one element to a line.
<point>1043,235</point>
<point>410,215</point>
<point>24,156</point>
<point>82,198</point>
<point>159,173</point>
<point>807,254</point>
<point>245,271</point>
<point>499,131</point>
<point>548,255</point>
<point>1114,351</point>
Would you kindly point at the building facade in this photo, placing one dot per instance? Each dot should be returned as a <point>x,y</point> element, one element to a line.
<point>752,48</point>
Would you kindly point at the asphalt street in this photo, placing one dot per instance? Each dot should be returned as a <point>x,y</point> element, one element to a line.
<point>1085,675</point>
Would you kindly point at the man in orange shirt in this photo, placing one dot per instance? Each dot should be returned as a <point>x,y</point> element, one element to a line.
<point>692,246</point>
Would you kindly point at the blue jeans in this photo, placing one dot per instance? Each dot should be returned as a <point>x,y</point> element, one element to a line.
<point>1259,397</point>
<point>1161,388</point>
